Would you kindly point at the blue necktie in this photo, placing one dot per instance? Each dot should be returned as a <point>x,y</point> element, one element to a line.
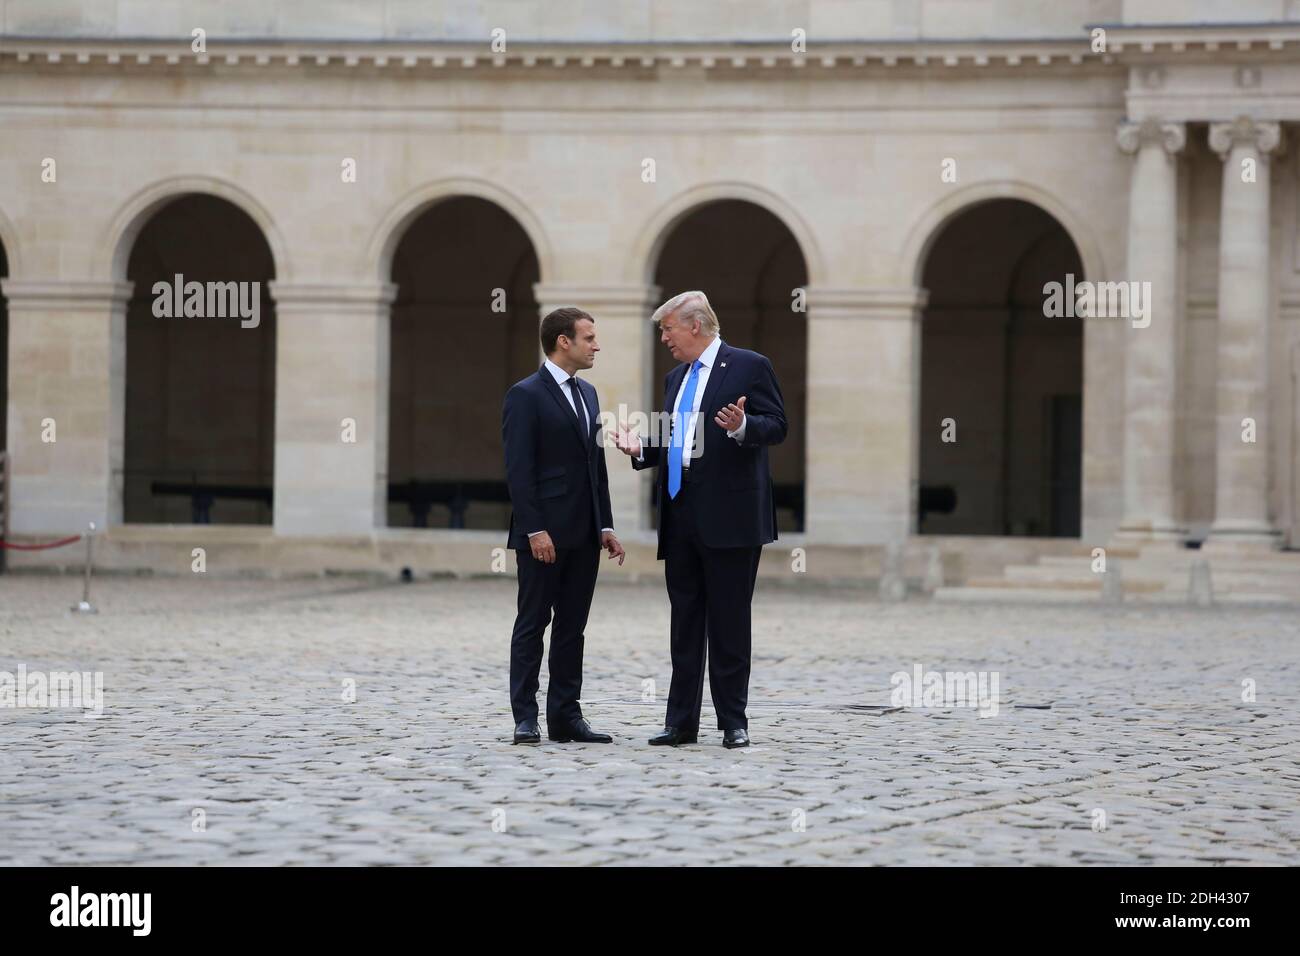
<point>679,433</point>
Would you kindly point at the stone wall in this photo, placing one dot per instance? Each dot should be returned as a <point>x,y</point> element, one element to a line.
<point>846,157</point>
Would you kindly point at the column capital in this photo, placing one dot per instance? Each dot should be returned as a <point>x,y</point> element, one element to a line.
<point>1130,136</point>
<point>63,296</point>
<point>866,303</point>
<point>553,295</point>
<point>1264,137</point>
<point>330,297</point>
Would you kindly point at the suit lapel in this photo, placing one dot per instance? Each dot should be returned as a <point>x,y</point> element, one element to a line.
<point>556,392</point>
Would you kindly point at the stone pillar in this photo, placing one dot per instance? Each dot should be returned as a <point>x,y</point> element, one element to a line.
<point>1241,505</point>
<point>331,365</point>
<point>67,381</point>
<point>863,402</point>
<point>1151,505</point>
<point>621,376</point>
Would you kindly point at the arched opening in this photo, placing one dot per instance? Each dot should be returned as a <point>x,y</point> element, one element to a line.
<point>4,356</point>
<point>749,264</point>
<point>464,329</point>
<point>1001,410</point>
<point>200,367</point>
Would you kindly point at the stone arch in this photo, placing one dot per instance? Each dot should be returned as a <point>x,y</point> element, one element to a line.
<point>650,240</point>
<point>750,282</point>
<point>115,250</point>
<point>386,238</point>
<point>928,227</point>
<point>1002,372</point>
<point>199,385</point>
<point>459,261</point>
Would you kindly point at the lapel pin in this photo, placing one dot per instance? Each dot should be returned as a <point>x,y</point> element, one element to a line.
<point>724,364</point>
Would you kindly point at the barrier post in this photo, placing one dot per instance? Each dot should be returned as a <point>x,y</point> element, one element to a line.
<point>84,606</point>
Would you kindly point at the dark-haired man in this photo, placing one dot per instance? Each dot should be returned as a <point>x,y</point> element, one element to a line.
<point>561,518</point>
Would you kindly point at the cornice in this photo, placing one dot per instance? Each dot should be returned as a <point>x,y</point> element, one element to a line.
<point>1125,43</point>
<point>1135,41</point>
<point>397,57</point>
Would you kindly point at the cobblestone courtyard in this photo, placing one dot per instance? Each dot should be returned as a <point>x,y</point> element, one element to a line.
<point>224,701</point>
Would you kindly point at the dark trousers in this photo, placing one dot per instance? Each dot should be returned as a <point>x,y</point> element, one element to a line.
<point>565,589</point>
<point>710,590</point>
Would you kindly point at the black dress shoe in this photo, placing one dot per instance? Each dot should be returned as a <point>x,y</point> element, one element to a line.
<point>731,739</point>
<point>673,737</point>
<point>579,731</point>
<point>527,732</point>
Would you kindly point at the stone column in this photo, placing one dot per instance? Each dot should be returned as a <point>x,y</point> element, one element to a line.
<point>621,375</point>
<point>1151,508</point>
<point>863,402</point>
<point>1241,505</point>
<point>67,382</point>
<point>331,408</point>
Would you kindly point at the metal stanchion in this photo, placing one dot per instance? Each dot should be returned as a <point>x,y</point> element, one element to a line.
<point>84,606</point>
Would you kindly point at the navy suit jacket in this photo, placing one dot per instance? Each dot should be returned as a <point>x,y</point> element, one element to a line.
<point>554,472</point>
<point>731,482</point>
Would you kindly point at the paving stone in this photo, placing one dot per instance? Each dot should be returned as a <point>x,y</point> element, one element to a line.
<point>226,696</point>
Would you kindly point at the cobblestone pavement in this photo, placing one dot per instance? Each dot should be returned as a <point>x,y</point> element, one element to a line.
<point>224,702</point>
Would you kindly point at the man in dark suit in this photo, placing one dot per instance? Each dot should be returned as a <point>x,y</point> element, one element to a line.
<point>561,518</point>
<point>715,510</point>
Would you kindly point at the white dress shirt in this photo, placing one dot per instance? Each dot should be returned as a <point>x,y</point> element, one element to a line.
<point>707,360</point>
<point>561,379</point>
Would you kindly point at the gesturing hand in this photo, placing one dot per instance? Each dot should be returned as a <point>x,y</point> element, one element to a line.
<point>609,541</point>
<point>732,416</point>
<point>628,443</point>
<point>543,547</point>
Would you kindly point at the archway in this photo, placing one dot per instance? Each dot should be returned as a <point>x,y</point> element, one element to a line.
<point>464,329</point>
<point>200,367</point>
<point>1001,403</point>
<point>749,264</point>
<point>4,355</point>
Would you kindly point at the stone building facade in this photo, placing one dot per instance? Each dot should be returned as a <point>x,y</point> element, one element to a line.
<point>877,194</point>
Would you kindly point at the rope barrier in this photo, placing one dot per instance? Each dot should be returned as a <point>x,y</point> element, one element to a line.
<point>83,606</point>
<point>39,547</point>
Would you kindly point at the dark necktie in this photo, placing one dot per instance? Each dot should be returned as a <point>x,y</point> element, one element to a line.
<point>579,408</point>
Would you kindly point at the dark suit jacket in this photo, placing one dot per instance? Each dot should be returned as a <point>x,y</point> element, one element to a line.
<point>734,489</point>
<point>554,473</point>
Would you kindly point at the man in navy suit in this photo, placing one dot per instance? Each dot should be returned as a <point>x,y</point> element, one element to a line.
<point>715,510</point>
<point>561,518</point>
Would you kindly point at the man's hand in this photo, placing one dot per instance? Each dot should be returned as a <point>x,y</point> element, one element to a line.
<point>543,547</point>
<point>609,541</point>
<point>732,416</point>
<point>629,443</point>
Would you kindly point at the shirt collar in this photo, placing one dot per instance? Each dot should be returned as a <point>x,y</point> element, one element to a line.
<point>710,355</point>
<point>559,374</point>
